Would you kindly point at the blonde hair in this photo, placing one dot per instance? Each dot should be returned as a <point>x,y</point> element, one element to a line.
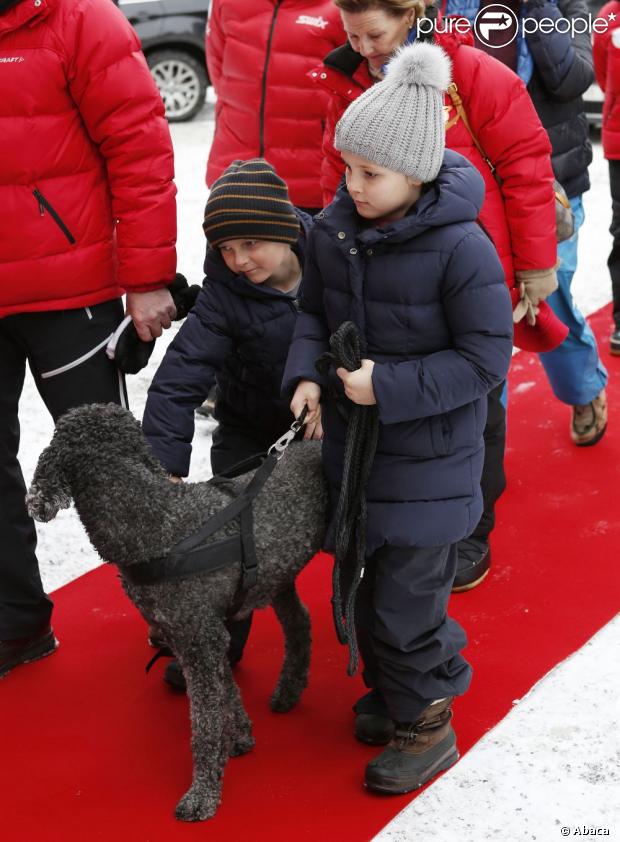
<point>395,8</point>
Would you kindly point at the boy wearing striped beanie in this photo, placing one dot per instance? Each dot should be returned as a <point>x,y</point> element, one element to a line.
<point>236,336</point>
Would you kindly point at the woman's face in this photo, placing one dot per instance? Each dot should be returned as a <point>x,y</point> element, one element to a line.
<point>376,35</point>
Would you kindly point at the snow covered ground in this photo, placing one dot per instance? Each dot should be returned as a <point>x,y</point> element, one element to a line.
<point>554,762</point>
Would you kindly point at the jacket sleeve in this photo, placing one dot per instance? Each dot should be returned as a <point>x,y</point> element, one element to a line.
<point>510,132</point>
<point>214,43</point>
<point>311,336</point>
<point>600,45</point>
<point>564,63</point>
<point>478,310</point>
<point>124,115</point>
<point>183,381</point>
<point>332,166</point>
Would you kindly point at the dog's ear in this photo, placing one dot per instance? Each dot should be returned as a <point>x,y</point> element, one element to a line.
<point>49,490</point>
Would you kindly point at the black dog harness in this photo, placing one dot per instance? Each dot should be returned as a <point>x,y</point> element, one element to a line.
<point>196,554</point>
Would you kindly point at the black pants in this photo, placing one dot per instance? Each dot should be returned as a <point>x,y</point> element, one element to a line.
<point>409,645</point>
<point>493,481</point>
<point>613,261</point>
<point>52,343</point>
<point>231,445</point>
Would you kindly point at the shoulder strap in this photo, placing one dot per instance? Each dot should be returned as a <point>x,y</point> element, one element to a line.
<point>457,102</point>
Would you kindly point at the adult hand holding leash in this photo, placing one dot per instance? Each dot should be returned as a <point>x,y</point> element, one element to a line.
<point>152,312</point>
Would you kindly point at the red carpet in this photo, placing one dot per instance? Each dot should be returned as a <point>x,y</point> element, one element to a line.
<point>91,748</point>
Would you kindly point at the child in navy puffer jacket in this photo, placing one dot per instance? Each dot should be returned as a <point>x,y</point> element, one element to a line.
<point>399,253</point>
<point>237,335</point>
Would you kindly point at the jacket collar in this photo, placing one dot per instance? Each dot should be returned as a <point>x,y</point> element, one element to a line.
<point>343,72</point>
<point>24,13</point>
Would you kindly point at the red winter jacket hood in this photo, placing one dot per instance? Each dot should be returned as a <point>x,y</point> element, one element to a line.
<point>87,206</point>
<point>519,218</point>
<point>606,51</point>
<point>259,53</point>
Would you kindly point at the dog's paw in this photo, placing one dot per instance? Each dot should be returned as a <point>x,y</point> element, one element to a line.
<point>283,700</point>
<point>196,806</point>
<point>242,745</point>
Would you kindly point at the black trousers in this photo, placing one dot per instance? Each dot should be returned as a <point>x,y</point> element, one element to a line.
<point>493,481</point>
<point>70,367</point>
<point>613,261</point>
<point>409,645</point>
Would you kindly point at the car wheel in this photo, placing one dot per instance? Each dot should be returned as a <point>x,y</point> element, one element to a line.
<point>182,83</point>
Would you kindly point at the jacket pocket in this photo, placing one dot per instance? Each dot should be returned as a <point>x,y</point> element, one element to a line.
<point>44,205</point>
<point>441,434</point>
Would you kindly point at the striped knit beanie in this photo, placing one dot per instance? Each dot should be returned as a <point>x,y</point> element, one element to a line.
<point>250,201</point>
<point>398,123</point>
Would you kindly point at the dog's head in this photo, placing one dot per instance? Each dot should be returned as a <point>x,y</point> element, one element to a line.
<point>49,491</point>
<point>81,435</point>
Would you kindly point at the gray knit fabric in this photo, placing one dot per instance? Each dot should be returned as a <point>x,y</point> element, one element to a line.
<point>398,123</point>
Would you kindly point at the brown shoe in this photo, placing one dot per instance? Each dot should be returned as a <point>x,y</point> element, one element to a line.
<point>590,421</point>
<point>23,650</point>
<point>416,752</point>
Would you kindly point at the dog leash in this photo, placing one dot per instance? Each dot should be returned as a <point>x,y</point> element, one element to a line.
<point>351,513</point>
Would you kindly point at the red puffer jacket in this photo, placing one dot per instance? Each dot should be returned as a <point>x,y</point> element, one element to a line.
<point>606,51</point>
<point>259,53</point>
<point>87,206</point>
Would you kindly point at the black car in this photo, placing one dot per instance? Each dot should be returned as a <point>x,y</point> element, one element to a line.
<point>172,33</point>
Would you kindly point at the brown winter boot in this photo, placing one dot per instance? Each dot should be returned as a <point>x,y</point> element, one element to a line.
<point>416,753</point>
<point>590,421</point>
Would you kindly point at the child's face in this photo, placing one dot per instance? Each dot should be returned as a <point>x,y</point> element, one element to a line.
<point>379,194</point>
<point>258,260</point>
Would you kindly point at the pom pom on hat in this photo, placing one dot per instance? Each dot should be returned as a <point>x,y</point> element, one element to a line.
<point>420,64</point>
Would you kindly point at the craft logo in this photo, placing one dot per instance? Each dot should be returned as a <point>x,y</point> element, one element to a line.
<point>11,59</point>
<point>496,26</point>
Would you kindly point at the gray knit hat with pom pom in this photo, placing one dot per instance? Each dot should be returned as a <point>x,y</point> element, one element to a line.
<point>398,123</point>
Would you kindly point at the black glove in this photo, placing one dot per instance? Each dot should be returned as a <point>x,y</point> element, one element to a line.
<point>126,348</point>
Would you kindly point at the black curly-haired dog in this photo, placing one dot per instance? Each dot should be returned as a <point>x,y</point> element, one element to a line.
<point>133,514</point>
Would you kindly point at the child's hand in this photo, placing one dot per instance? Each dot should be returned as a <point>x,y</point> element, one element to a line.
<point>307,394</point>
<point>314,430</point>
<point>174,479</point>
<point>358,384</point>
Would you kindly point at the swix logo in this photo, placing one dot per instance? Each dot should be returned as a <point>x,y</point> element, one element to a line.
<point>496,18</point>
<point>11,59</point>
<point>308,20</point>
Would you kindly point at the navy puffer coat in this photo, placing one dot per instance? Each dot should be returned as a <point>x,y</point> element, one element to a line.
<point>428,295</point>
<point>563,71</point>
<point>237,336</point>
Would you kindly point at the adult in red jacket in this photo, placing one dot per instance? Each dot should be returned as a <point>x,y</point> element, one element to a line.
<point>87,212</point>
<point>606,51</point>
<point>258,53</point>
<point>519,217</point>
